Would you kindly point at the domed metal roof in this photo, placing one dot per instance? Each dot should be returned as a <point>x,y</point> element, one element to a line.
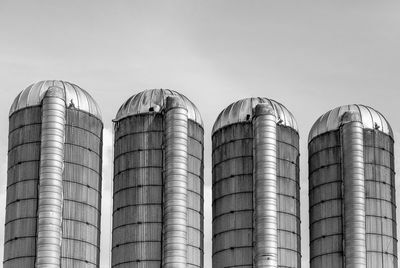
<point>332,120</point>
<point>33,95</point>
<point>242,111</point>
<point>154,100</point>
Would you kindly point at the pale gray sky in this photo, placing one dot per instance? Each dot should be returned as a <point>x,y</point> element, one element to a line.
<point>310,55</point>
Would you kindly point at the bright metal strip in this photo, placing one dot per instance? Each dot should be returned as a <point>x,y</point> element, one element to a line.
<point>265,187</point>
<point>174,244</point>
<point>354,191</point>
<point>50,204</point>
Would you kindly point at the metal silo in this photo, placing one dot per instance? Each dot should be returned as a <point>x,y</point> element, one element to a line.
<point>54,178</point>
<point>352,190</point>
<point>256,192</point>
<point>158,182</point>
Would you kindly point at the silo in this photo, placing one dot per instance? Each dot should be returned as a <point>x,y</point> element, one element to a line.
<point>255,187</point>
<point>54,178</point>
<point>352,190</point>
<point>158,182</point>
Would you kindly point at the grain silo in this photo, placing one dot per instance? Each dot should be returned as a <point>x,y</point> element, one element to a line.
<point>54,178</point>
<point>352,190</point>
<point>158,182</point>
<point>256,210</point>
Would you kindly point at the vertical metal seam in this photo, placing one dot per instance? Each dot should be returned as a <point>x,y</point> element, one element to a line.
<point>354,191</point>
<point>50,203</point>
<point>174,248</point>
<point>265,187</point>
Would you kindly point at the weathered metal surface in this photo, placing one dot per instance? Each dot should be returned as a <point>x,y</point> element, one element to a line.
<point>49,222</point>
<point>82,184</point>
<point>242,111</point>
<point>326,193</point>
<point>381,235</point>
<point>265,187</point>
<point>332,120</point>
<point>81,188</point>
<point>232,162</point>
<point>153,100</point>
<point>174,239</point>
<point>74,96</point>
<point>22,180</point>
<point>138,184</point>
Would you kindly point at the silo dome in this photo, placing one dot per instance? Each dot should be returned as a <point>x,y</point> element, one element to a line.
<point>242,111</point>
<point>73,95</point>
<point>154,100</point>
<point>332,120</point>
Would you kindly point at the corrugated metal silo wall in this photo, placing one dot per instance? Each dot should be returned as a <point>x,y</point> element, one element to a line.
<point>81,182</point>
<point>138,184</point>
<point>380,203</point>
<point>325,184</point>
<point>325,188</point>
<point>22,180</point>
<point>233,196</point>
<point>82,190</point>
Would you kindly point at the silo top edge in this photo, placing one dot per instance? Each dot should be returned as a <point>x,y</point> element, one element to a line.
<point>242,111</point>
<point>74,96</point>
<point>154,100</point>
<point>332,120</point>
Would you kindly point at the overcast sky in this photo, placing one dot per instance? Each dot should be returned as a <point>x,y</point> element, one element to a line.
<point>310,56</point>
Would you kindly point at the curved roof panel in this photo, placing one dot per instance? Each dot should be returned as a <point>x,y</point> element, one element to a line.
<point>242,111</point>
<point>155,99</point>
<point>73,94</point>
<point>332,120</point>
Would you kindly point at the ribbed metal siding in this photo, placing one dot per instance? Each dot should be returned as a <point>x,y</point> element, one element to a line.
<point>325,194</point>
<point>22,181</point>
<point>232,160</point>
<point>380,200</point>
<point>81,184</point>
<point>232,191</point>
<point>195,193</point>
<point>137,216</point>
<point>288,173</point>
<point>82,190</point>
<point>325,186</point>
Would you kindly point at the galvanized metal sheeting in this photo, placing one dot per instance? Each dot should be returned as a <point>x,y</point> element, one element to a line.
<point>74,96</point>
<point>332,120</point>
<point>140,179</point>
<point>22,180</point>
<point>153,100</point>
<point>265,188</point>
<point>352,207</point>
<point>65,144</point>
<point>49,226</point>
<point>233,163</point>
<point>354,191</point>
<point>242,111</point>
<point>175,185</point>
